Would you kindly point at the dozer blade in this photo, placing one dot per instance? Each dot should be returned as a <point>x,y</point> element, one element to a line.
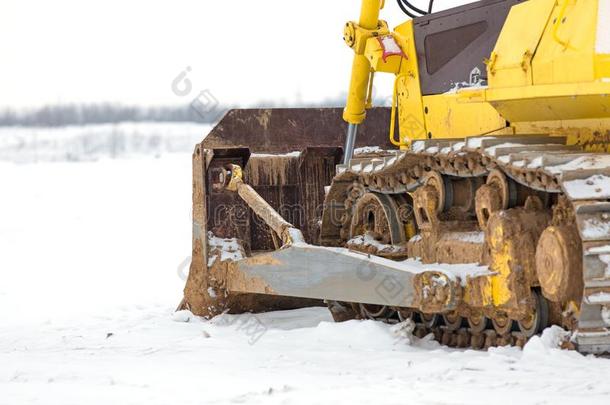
<point>288,156</point>
<point>284,130</point>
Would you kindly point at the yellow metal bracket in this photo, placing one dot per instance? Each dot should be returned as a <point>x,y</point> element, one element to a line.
<point>395,142</point>
<point>380,62</point>
<point>527,60</point>
<point>235,177</point>
<point>356,36</point>
<point>491,63</point>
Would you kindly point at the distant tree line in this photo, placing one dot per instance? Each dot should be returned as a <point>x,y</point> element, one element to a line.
<point>81,114</point>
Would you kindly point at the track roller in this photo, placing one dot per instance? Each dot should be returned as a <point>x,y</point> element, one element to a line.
<point>536,321</point>
<point>404,314</point>
<point>430,320</point>
<point>502,324</point>
<point>453,321</point>
<point>379,312</point>
<point>477,322</point>
<point>497,194</point>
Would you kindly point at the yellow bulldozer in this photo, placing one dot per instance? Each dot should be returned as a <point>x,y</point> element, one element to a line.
<point>477,206</point>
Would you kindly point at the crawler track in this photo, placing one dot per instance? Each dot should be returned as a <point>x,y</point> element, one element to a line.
<point>568,184</point>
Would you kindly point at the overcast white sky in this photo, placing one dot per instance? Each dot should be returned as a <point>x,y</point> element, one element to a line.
<point>129,51</point>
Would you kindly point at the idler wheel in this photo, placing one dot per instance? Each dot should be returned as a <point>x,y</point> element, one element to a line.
<point>559,263</point>
<point>380,215</point>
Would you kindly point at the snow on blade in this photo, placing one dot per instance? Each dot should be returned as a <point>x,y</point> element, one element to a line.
<point>229,249</point>
<point>368,240</point>
<point>416,266</point>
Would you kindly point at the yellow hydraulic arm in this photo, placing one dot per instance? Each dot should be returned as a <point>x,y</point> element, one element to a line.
<point>355,108</point>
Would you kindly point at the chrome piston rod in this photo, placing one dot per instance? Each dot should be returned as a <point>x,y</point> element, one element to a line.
<point>350,142</point>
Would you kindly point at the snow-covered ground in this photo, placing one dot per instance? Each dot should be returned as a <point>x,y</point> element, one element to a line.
<point>98,141</point>
<point>91,258</point>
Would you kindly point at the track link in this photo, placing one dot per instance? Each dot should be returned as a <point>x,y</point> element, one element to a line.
<point>540,163</point>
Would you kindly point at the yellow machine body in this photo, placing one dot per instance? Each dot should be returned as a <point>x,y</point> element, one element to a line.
<point>539,81</point>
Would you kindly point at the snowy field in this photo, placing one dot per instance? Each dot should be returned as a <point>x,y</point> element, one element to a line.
<point>91,260</point>
<point>98,141</point>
